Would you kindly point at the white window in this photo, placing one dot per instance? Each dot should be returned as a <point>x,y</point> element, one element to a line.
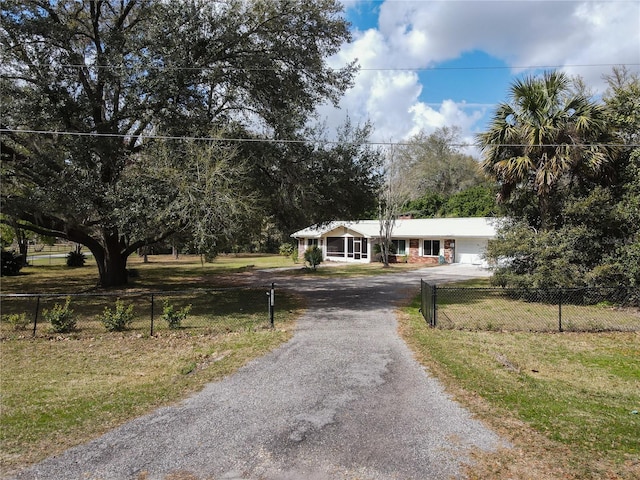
<point>431,248</point>
<point>399,247</point>
<point>335,246</point>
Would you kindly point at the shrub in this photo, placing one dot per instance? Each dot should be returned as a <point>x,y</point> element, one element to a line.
<point>18,320</point>
<point>11,263</point>
<point>286,249</point>
<point>210,256</point>
<point>172,316</point>
<point>313,256</point>
<point>295,255</point>
<point>75,259</point>
<point>61,317</point>
<point>119,319</point>
<point>377,251</point>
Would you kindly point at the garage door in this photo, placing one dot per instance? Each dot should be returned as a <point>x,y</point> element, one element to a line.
<point>470,250</point>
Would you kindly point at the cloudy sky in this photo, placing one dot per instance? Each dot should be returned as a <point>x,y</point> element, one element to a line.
<point>426,64</point>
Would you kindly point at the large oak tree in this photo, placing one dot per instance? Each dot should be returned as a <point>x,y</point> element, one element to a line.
<point>106,76</point>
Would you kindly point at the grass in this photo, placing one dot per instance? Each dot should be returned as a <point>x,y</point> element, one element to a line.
<point>212,311</point>
<point>58,393</point>
<point>336,270</point>
<point>61,390</point>
<point>565,401</point>
<point>474,305</point>
<point>173,277</point>
<point>187,271</point>
<point>175,273</point>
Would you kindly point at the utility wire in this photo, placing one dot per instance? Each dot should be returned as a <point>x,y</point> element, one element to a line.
<point>294,141</point>
<point>361,69</point>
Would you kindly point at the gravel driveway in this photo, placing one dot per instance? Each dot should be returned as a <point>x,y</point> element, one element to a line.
<point>344,399</point>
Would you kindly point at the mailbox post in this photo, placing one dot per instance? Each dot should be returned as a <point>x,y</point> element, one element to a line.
<point>272,298</point>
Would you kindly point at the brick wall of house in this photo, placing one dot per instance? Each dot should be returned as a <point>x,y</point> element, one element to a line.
<point>449,251</point>
<point>414,254</point>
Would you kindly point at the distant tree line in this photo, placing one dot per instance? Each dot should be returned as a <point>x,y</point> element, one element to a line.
<point>438,180</point>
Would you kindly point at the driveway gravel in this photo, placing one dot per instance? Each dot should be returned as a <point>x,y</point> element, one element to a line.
<point>344,399</point>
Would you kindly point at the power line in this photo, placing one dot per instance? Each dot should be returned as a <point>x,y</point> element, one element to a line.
<point>506,67</point>
<point>294,141</point>
<point>361,69</point>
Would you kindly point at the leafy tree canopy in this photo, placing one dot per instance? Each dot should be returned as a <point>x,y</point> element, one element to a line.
<point>478,201</point>
<point>114,75</point>
<point>545,135</point>
<point>592,193</point>
<point>434,164</point>
<point>439,180</point>
<point>317,180</point>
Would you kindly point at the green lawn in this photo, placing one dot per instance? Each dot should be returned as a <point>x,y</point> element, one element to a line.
<point>577,394</point>
<point>476,305</point>
<point>59,390</point>
<point>187,271</point>
<point>565,401</point>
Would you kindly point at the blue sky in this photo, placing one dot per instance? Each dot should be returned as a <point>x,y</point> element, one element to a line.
<point>429,64</point>
<point>475,77</point>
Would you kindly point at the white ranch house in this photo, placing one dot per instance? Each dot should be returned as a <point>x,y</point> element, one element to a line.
<point>429,240</point>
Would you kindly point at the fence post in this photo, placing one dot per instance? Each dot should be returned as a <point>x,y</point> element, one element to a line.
<point>35,319</point>
<point>435,301</point>
<point>422,302</point>
<point>151,334</point>
<point>272,301</point>
<point>560,311</point>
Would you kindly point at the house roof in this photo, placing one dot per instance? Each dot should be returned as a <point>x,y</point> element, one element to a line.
<point>484,227</point>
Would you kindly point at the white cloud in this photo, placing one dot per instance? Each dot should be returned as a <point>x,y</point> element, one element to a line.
<point>580,35</point>
<point>523,33</point>
<point>389,97</point>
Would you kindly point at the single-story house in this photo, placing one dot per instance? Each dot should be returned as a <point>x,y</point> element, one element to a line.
<point>429,240</point>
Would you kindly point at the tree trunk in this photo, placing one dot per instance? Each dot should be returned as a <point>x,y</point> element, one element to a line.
<point>144,253</point>
<point>544,205</point>
<point>112,262</point>
<point>23,245</point>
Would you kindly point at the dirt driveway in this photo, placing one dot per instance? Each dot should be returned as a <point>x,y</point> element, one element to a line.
<point>344,399</point>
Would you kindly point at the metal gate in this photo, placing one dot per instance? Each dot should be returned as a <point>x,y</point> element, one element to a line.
<point>428,302</point>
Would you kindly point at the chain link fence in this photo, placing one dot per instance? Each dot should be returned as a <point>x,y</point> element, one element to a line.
<point>210,311</point>
<point>503,309</point>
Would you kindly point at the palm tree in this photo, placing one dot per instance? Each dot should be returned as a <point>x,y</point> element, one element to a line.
<point>544,133</point>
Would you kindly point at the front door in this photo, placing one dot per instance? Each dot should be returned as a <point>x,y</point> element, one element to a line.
<point>357,248</point>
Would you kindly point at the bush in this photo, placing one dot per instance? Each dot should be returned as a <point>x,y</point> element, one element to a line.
<point>75,259</point>
<point>210,256</point>
<point>172,316</point>
<point>11,263</point>
<point>61,317</point>
<point>295,255</point>
<point>313,256</point>
<point>286,249</point>
<point>377,252</point>
<point>119,319</point>
<point>18,320</point>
